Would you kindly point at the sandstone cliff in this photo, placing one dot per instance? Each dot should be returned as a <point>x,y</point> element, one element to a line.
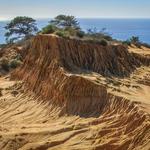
<point>85,88</point>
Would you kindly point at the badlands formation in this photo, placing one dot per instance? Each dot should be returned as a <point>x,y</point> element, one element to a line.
<point>76,95</point>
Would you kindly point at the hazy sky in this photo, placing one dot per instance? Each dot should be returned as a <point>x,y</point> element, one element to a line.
<point>79,8</point>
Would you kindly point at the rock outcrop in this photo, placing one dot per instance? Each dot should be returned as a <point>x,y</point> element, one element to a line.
<point>64,72</point>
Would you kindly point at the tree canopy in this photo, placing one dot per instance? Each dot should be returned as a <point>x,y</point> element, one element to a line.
<point>65,21</point>
<point>20,28</point>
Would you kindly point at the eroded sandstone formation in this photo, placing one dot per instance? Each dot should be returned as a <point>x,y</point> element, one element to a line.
<point>61,72</point>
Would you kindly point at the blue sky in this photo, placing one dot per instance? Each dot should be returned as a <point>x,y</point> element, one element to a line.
<point>78,8</point>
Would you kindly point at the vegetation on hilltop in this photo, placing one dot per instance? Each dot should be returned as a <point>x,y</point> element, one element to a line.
<point>20,29</point>
<point>134,40</point>
<point>66,26</point>
<point>7,64</point>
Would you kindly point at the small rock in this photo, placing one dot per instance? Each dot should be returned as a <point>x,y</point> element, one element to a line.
<point>1,94</point>
<point>14,93</point>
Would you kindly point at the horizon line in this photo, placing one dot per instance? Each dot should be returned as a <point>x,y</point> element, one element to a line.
<point>37,18</point>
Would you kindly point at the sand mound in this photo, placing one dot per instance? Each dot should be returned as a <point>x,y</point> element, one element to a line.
<point>77,95</point>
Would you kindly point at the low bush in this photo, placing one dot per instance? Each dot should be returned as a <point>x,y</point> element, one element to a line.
<point>3,45</point>
<point>98,35</point>
<point>70,31</point>
<point>62,33</point>
<point>14,63</point>
<point>103,42</point>
<point>134,39</point>
<point>18,57</point>
<point>127,42</point>
<point>4,63</point>
<point>80,34</point>
<point>49,29</point>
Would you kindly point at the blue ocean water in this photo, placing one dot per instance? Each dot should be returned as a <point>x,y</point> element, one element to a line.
<point>121,29</point>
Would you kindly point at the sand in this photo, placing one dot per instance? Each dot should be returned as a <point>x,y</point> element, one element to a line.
<point>30,122</point>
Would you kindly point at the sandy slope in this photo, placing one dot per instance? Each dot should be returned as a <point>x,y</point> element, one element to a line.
<point>27,123</point>
<point>78,111</point>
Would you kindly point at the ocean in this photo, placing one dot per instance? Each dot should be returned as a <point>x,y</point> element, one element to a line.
<point>121,29</point>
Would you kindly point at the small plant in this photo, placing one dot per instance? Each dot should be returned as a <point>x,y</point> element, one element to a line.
<point>61,33</point>
<point>49,29</point>
<point>127,42</point>
<point>135,39</point>
<point>4,63</point>
<point>70,31</point>
<point>80,34</point>
<point>103,42</point>
<point>18,57</point>
<point>14,63</point>
<point>98,35</point>
<point>3,45</point>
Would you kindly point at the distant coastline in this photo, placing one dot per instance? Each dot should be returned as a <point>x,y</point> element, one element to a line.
<point>119,28</point>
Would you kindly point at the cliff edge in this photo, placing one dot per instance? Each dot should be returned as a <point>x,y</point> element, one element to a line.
<point>73,94</point>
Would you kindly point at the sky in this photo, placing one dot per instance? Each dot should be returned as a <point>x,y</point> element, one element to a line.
<point>79,8</point>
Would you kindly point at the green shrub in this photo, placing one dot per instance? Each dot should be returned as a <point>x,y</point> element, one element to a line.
<point>61,33</point>
<point>103,42</point>
<point>98,35</point>
<point>18,57</point>
<point>70,31</point>
<point>134,39</point>
<point>138,45</point>
<point>127,42</point>
<point>14,63</point>
<point>48,29</point>
<point>3,45</point>
<point>80,34</point>
<point>4,63</point>
<point>107,37</point>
